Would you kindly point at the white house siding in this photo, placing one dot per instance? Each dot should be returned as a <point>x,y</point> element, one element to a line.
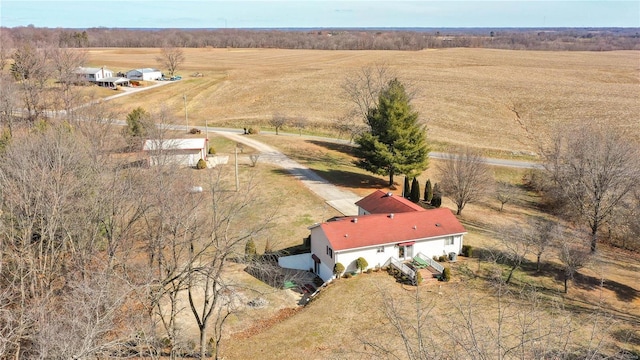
<point>374,258</point>
<point>298,262</point>
<point>176,157</point>
<point>319,245</point>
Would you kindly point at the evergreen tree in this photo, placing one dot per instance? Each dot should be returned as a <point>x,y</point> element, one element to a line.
<point>406,191</point>
<point>395,142</point>
<point>428,191</point>
<point>137,122</point>
<point>436,200</point>
<point>415,191</point>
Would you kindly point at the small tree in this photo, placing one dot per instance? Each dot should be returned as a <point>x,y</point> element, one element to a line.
<point>574,257</point>
<point>338,269</point>
<point>504,193</point>
<point>406,190</point>
<point>428,191</point>
<point>361,264</point>
<point>250,250</point>
<point>278,121</point>
<point>415,191</point>
<point>202,164</point>
<point>465,176</point>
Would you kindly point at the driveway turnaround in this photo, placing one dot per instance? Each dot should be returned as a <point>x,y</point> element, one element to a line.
<point>341,200</point>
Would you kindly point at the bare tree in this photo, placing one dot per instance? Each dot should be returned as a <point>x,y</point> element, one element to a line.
<point>543,235</point>
<point>171,58</point>
<point>363,87</point>
<point>593,168</point>
<point>278,121</point>
<point>504,193</point>
<point>574,256</point>
<point>225,239</point>
<point>65,61</point>
<point>31,68</point>
<point>6,44</point>
<point>350,125</point>
<point>300,123</point>
<point>516,242</point>
<point>465,178</point>
<point>8,102</point>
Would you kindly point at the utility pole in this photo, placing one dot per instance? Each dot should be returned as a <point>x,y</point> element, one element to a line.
<point>186,118</point>
<point>236,160</point>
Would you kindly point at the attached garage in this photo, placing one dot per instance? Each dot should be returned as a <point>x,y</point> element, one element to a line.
<point>183,152</point>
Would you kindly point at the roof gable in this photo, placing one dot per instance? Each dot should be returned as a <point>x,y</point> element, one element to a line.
<point>380,202</point>
<point>378,229</point>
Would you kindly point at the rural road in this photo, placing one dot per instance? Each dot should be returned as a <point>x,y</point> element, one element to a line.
<point>341,200</point>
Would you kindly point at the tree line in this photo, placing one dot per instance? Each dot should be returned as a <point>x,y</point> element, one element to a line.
<point>573,39</point>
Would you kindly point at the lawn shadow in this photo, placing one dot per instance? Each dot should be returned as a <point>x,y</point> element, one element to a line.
<point>342,178</point>
<point>347,149</point>
<point>623,292</point>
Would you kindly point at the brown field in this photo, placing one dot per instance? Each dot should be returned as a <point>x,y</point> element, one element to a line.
<point>463,95</point>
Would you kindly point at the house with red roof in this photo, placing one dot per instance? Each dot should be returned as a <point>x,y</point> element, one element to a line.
<point>383,238</point>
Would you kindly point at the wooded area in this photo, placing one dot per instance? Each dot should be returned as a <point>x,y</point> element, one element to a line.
<point>574,39</point>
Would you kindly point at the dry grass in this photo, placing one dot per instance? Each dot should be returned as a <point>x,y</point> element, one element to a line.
<point>464,95</point>
<point>321,331</point>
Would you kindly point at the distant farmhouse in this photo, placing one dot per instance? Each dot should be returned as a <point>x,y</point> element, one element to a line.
<point>389,231</point>
<point>146,74</point>
<point>101,76</point>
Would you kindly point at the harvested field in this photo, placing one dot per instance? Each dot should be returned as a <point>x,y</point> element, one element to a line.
<point>465,96</point>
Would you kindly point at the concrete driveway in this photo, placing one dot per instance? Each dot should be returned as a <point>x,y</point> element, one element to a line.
<point>341,200</point>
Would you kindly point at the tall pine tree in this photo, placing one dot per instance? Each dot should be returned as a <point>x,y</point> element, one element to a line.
<point>395,142</point>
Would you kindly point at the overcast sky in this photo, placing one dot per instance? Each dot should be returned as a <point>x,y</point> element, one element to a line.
<point>318,13</point>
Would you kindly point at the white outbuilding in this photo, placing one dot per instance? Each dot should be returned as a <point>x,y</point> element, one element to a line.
<point>145,74</point>
<point>185,152</point>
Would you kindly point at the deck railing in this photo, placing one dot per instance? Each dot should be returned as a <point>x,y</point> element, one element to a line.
<point>402,267</point>
<point>431,262</point>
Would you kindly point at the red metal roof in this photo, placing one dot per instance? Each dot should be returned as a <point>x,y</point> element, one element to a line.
<point>381,202</point>
<point>378,229</point>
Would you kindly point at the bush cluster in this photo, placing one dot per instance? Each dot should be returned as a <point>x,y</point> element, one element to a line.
<point>446,274</point>
<point>467,250</point>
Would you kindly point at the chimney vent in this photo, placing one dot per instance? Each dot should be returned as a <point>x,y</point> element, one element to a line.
<point>354,220</point>
<point>391,216</point>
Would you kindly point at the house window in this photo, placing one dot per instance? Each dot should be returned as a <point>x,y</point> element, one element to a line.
<point>380,249</point>
<point>330,252</point>
<point>449,240</point>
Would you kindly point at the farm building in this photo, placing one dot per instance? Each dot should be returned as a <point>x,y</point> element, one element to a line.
<point>382,239</point>
<point>94,74</point>
<point>185,152</point>
<point>146,74</point>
